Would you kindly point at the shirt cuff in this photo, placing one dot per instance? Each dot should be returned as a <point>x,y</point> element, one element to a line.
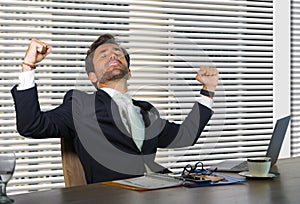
<point>26,80</point>
<point>206,101</point>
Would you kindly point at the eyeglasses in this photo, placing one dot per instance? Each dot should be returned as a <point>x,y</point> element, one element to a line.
<point>193,169</point>
<point>196,174</point>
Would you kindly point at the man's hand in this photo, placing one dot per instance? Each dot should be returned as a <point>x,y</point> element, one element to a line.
<point>208,77</point>
<point>36,52</point>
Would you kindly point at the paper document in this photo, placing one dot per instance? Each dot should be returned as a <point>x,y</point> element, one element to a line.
<point>151,181</point>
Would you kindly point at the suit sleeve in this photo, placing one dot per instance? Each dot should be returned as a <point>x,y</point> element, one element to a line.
<point>34,123</point>
<point>186,134</point>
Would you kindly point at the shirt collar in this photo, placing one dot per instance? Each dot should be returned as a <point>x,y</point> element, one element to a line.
<point>116,94</point>
<point>111,92</point>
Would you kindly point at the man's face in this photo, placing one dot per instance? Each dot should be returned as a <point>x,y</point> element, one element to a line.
<point>110,63</point>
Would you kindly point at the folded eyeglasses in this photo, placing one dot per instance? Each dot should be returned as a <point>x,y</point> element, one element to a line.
<point>195,174</point>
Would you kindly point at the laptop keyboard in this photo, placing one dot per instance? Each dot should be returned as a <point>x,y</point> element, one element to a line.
<point>241,167</point>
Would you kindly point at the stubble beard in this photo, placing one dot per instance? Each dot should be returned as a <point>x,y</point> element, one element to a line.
<point>114,74</point>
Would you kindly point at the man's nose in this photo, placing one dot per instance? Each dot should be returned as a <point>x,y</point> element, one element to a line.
<point>113,55</point>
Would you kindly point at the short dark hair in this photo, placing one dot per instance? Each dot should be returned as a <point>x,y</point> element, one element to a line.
<point>102,39</point>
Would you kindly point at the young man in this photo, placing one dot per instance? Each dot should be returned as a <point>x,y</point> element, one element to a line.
<point>114,136</point>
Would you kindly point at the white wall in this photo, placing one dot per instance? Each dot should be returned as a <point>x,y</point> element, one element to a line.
<point>282,68</point>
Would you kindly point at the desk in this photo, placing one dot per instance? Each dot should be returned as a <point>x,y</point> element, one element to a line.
<point>283,189</point>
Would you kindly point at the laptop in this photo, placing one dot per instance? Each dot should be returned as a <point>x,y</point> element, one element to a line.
<point>272,152</point>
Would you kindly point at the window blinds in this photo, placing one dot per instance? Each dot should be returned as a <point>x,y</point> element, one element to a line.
<point>295,75</point>
<point>168,42</point>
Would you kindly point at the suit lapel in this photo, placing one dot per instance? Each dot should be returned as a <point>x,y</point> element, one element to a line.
<point>145,108</point>
<point>112,111</point>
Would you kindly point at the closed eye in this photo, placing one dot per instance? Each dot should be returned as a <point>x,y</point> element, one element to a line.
<point>118,51</point>
<point>103,53</point>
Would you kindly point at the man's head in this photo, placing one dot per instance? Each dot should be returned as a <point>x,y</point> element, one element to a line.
<point>106,61</point>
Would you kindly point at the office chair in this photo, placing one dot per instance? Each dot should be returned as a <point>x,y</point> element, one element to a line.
<point>72,168</point>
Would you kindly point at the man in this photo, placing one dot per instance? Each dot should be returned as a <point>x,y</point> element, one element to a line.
<point>114,136</point>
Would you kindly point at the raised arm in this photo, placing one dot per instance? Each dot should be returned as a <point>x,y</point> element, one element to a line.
<point>188,132</point>
<point>31,121</point>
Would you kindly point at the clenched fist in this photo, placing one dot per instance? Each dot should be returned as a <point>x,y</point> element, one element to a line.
<point>36,52</point>
<point>208,77</point>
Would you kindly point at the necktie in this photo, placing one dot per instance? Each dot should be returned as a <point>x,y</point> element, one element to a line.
<point>134,122</point>
<point>136,125</point>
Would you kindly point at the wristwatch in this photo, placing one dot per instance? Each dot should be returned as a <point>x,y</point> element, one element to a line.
<point>207,93</point>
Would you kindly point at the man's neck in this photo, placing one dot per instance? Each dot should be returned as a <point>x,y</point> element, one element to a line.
<point>120,85</point>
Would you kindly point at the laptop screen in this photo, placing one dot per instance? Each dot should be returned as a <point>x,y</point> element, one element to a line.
<point>277,138</point>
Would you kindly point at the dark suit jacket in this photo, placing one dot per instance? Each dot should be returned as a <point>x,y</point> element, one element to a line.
<point>105,148</point>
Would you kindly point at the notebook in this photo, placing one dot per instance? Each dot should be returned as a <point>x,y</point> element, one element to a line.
<point>273,149</point>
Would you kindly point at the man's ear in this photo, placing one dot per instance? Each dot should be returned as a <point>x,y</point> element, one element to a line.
<point>93,77</point>
<point>129,73</point>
